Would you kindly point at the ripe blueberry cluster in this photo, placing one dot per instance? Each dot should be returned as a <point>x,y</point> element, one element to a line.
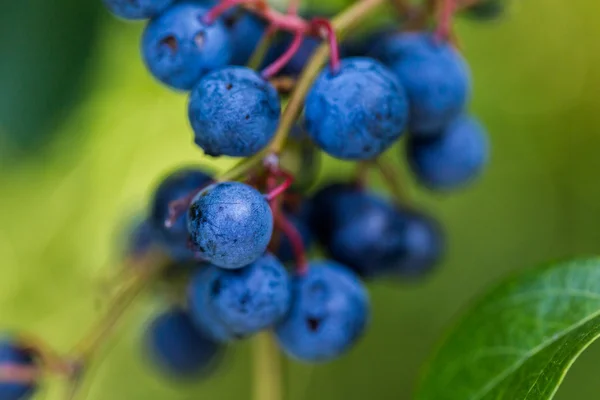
<point>239,241</point>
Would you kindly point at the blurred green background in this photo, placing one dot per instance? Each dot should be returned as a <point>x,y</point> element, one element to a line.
<point>85,132</point>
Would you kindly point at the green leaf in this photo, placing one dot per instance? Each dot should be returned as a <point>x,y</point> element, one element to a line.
<point>520,340</point>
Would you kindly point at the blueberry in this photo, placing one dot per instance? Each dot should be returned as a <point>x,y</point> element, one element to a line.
<point>234,112</point>
<point>178,348</point>
<point>358,112</point>
<point>234,304</point>
<point>179,48</point>
<point>142,237</point>
<point>177,185</point>
<point>452,158</point>
<point>137,9</point>
<point>329,313</point>
<point>12,355</point>
<point>377,239</point>
<point>246,32</point>
<point>231,224</point>
<point>424,245</point>
<point>324,208</point>
<point>434,74</point>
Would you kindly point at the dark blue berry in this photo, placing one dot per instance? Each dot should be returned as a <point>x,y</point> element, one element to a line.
<point>178,348</point>
<point>376,239</point>
<point>452,158</point>
<point>326,208</point>
<point>329,313</point>
<point>434,74</point>
<point>230,224</point>
<point>13,355</point>
<point>137,9</point>
<point>234,112</point>
<point>175,186</point>
<point>358,112</point>
<point>142,238</point>
<point>424,245</point>
<point>246,32</point>
<point>234,304</point>
<point>179,47</point>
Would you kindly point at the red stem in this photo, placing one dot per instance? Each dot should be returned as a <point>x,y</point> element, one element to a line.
<point>222,6</point>
<point>293,7</point>
<point>289,230</point>
<point>179,206</point>
<point>281,222</point>
<point>291,23</point>
<point>278,190</point>
<point>445,20</point>
<point>325,24</point>
<point>285,58</point>
<point>18,374</point>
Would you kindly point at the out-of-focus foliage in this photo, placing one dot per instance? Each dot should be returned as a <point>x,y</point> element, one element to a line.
<point>46,49</point>
<point>536,81</point>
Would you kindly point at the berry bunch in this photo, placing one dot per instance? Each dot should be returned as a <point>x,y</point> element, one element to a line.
<point>238,241</point>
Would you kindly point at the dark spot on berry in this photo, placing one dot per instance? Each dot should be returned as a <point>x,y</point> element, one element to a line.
<point>228,86</point>
<point>170,42</point>
<point>367,148</point>
<point>216,287</point>
<point>245,299</point>
<point>229,21</point>
<point>313,324</point>
<point>212,246</point>
<point>247,117</point>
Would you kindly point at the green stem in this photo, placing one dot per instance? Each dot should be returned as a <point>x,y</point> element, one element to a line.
<point>342,24</point>
<point>268,384</point>
<point>149,267</point>
<point>392,179</point>
<point>261,50</point>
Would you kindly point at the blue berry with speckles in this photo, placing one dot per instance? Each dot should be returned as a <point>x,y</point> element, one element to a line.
<point>179,48</point>
<point>234,112</point>
<point>452,158</point>
<point>230,224</point>
<point>435,76</point>
<point>137,9</point>
<point>178,348</point>
<point>246,32</point>
<point>11,354</point>
<point>329,313</point>
<point>358,112</point>
<point>234,304</point>
<point>175,186</point>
